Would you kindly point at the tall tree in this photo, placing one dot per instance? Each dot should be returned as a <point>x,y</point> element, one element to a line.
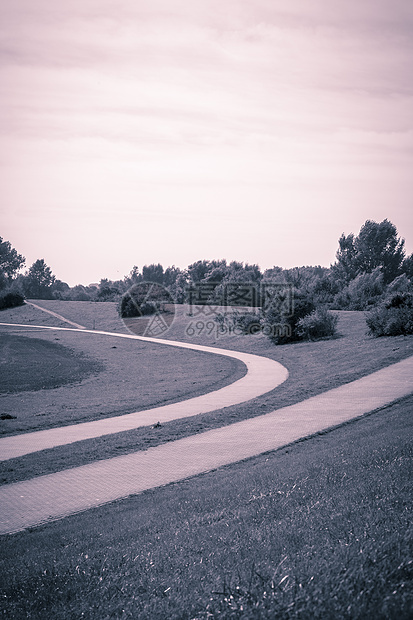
<point>378,245</point>
<point>153,273</point>
<point>10,262</point>
<point>346,266</point>
<point>39,280</point>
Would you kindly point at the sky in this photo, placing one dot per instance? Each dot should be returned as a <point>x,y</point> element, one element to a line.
<point>145,131</point>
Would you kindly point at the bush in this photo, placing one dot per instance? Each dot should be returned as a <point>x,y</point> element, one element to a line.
<point>246,323</point>
<point>11,300</point>
<point>401,284</point>
<point>364,291</point>
<point>144,299</point>
<point>130,307</point>
<point>393,317</point>
<point>281,325</point>
<point>319,324</point>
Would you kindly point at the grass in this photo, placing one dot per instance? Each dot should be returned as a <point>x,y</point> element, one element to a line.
<point>314,367</point>
<point>127,376</point>
<point>319,529</point>
<point>34,364</point>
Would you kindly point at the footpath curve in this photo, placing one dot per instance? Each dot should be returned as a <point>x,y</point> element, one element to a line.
<point>263,375</point>
<point>53,496</point>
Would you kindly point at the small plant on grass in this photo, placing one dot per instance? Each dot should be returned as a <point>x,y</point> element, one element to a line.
<point>319,324</point>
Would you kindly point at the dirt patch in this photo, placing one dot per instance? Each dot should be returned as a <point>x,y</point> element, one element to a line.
<point>34,364</point>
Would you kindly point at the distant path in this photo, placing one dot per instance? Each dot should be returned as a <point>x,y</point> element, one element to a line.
<point>58,316</point>
<point>263,375</point>
<point>50,497</point>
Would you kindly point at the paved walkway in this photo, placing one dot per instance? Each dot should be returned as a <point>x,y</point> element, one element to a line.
<point>50,497</point>
<point>263,375</point>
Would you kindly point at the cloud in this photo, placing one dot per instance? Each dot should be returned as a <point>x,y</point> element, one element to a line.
<point>155,106</point>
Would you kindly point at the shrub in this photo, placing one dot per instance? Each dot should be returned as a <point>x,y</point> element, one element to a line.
<point>130,307</point>
<point>319,324</point>
<point>276,321</point>
<point>143,299</point>
<point>364,291</point>
<point>393,317</point>
<point>247,323</point>
<point>11,300</point>
<point>401,284</point>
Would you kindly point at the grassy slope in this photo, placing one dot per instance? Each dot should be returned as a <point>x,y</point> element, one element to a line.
<point>313,366</point>
<point>320,529</point>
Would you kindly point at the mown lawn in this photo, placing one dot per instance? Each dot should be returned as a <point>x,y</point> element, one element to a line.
<point>127,385</point>
<point>32,364</point>
<point>319,529</point>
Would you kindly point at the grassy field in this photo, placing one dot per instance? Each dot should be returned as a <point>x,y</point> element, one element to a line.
<point>319,529</point>
<point>122,376</point>
<point>314,367</point>
<point>32,364</point>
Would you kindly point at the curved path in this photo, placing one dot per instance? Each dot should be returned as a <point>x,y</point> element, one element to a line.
<point>263,375</point>
<point>50,497</point>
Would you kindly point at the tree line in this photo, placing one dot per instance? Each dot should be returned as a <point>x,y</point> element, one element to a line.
<point>367,267</point>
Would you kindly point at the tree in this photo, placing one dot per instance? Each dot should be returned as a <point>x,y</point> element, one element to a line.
<point>38,281</point>
<point>133,277</point>
<point>109,291</point>
<point>346,267</point>
<point>202,269</point>
<point>407,266</point>
<point>170,275</point>
<point>153,273</point>
<point>60,289</point>
<point>10,262</point>
<point>377,245</point>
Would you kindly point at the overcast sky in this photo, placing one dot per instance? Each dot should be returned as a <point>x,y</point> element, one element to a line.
<point>140,131</point>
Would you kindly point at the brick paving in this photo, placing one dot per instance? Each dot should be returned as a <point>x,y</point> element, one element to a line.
<point>33,502</point>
